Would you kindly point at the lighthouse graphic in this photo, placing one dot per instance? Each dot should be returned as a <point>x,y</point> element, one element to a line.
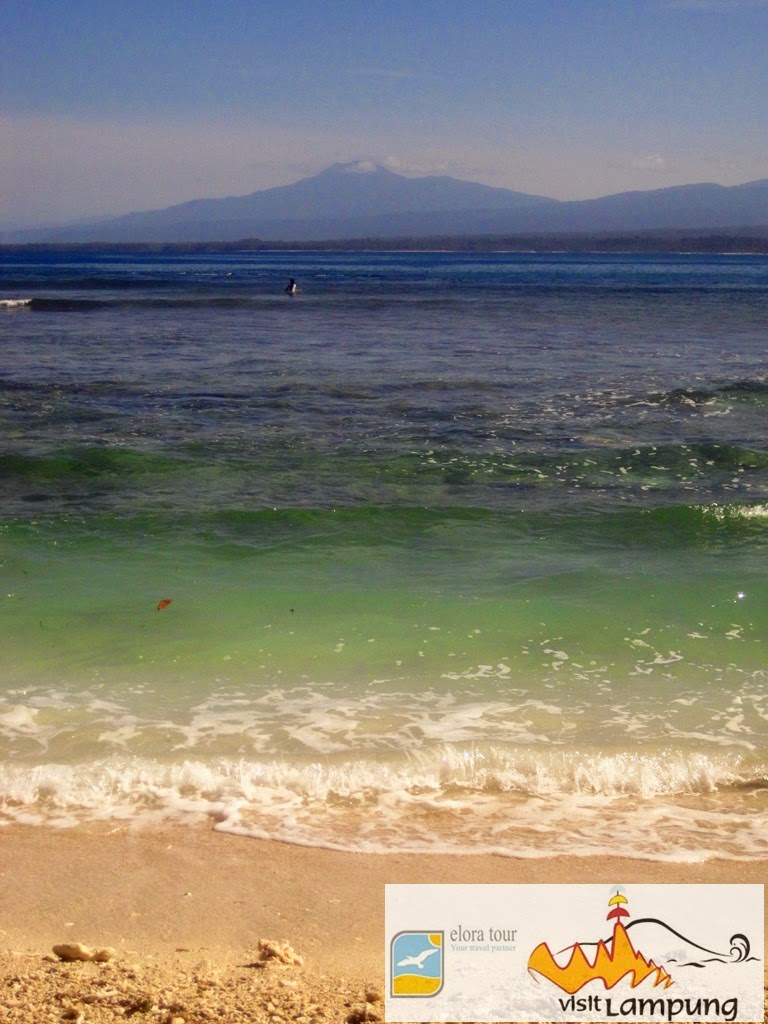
<point>615,958</point>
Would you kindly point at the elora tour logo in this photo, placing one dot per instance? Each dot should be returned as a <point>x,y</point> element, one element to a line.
<point>617,959</point>
<point>417,963</point>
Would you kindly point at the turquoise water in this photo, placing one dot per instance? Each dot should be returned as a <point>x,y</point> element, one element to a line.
<point>462,552</point>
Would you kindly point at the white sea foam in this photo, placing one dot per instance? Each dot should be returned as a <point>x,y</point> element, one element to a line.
<point>443,769</point>
<point>20,719</point>
<point>302,722</point>
<point>449,799</point>
<point>22,726</point>
<point>15,303</point>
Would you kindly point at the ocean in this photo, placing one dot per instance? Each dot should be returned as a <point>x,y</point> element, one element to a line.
<point>446,552</point>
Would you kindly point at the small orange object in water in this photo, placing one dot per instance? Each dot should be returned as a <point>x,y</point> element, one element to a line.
<point>164,604</point>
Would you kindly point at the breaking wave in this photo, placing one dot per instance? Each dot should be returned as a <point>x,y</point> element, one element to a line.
<point>453,799</point>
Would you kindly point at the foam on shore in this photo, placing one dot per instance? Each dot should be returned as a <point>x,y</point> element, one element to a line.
<point>664,806</point>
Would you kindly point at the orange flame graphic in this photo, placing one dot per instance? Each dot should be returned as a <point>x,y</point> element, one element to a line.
<point>609,966</point>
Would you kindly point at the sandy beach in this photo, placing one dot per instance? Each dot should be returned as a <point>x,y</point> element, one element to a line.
<point>186,910</point>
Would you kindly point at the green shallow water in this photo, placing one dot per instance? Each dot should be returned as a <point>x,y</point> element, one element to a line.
<point>345,598</point>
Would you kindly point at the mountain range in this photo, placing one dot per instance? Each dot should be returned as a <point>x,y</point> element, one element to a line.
<point>364,200</point>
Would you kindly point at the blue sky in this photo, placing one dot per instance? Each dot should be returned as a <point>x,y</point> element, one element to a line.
<point>135,104</point>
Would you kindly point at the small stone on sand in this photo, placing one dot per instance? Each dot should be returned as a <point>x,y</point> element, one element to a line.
<point>269,949</point>
<point>70,951</point>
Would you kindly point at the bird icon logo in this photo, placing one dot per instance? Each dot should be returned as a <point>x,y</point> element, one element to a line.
<point>416,963</point>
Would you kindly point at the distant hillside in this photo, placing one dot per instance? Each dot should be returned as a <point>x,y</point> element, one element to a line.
<point>366,201</point>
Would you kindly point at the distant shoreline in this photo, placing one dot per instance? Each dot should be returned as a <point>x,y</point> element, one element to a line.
<point>747,242</point>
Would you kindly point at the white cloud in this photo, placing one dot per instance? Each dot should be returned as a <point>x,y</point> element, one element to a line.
<point>653,162</point>
<point>422,168</point>
<point>360,167</point>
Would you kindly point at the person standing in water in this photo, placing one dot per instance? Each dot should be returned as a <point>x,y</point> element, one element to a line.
<point>291,288</point>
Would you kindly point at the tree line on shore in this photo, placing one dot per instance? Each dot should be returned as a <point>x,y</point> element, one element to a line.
<point>746,242</point>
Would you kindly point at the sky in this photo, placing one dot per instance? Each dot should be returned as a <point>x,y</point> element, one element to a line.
<point>107,108</point>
